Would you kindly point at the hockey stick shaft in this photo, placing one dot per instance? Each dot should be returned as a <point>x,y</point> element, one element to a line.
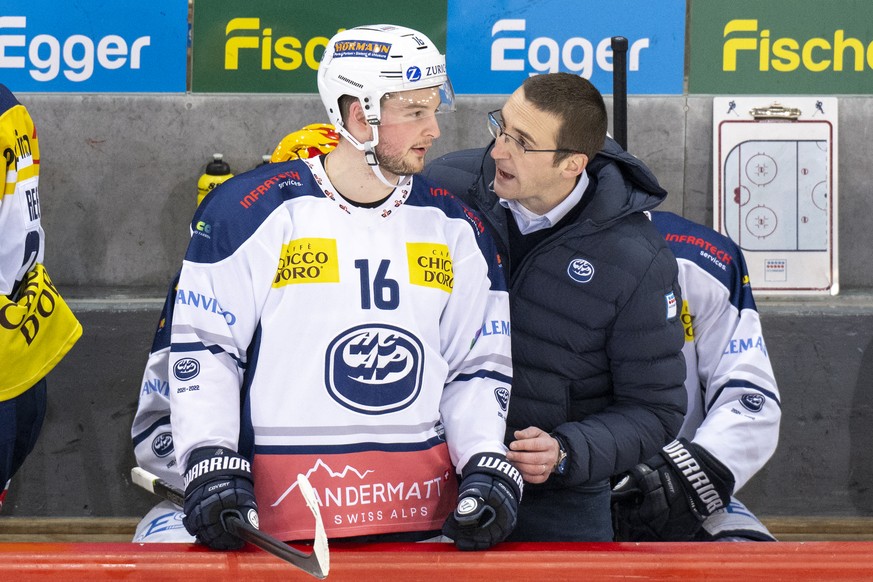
<point>316,563</point>
<point>619,90</point>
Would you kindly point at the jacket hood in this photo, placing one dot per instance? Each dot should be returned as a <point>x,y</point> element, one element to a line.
<point>624,184</point>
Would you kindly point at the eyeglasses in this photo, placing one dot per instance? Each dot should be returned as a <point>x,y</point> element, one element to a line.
<point>497,129</point>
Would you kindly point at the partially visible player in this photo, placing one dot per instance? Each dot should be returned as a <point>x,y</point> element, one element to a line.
<point>685,493</point>
<point>310,141</point>
<point>343,318</point>
<point>37,328</point>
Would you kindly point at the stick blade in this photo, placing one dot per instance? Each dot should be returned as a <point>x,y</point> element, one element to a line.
<point>143,478</point>
<point>319,541</point>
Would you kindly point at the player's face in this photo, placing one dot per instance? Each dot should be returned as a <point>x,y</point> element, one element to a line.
<point>407,131</point>
<point>530,178</point>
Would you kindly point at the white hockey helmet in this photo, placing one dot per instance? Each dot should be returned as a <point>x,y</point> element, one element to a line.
<point>367,62</point>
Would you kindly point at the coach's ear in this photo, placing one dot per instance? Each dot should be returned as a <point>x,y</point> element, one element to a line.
<point>573,165</point>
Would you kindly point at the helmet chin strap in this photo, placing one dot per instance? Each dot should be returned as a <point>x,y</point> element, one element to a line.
<point>369,149</point>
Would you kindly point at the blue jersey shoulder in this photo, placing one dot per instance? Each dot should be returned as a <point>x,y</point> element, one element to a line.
<point>430,194</point>
<point>711,251</point>
<point>232,212</point>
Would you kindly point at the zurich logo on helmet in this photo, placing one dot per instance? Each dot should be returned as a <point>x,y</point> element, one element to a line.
<point>413,74</point>
<point>580,270</point>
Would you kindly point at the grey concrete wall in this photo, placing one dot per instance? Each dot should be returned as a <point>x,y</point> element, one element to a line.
<point>118,188</point>
<point>822,352</point>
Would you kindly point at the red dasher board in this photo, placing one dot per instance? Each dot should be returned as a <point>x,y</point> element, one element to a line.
<point>588,562</point>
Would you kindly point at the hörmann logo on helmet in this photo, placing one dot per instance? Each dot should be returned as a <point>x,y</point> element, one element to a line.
<point>361,48</point>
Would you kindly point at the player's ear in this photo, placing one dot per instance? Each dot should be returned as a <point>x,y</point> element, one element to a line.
<point>357,122</point>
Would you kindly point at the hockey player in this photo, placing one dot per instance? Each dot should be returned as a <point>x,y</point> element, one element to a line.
<point>37,327</point>
<point>685,493</point>
<point>342,318</point>
<point>152,439</point>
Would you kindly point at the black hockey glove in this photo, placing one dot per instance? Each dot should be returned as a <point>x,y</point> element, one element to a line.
<point>218,482</point>
<point>487,503</point>
<point>667,498</point>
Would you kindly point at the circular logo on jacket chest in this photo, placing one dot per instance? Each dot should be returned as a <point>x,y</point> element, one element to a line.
<point>580,270</point>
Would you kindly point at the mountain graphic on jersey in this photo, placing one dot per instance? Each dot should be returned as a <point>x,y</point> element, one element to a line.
<point>322,465</point>
<point>360,493</point>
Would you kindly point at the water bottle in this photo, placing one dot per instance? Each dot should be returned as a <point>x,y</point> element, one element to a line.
<point>217,171</point>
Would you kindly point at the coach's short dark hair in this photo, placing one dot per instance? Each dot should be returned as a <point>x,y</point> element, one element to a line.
<point>579,106</point>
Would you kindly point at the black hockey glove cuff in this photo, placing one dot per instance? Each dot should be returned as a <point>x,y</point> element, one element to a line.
<point>218,482</point>
<point>667,498</point>
<point>488,499</point>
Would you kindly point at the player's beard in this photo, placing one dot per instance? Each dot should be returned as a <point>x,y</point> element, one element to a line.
<point>398,165</point>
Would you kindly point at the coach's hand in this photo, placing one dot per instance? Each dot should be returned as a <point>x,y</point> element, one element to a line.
<point>488,500</point>
<point>218,483</point>
<point>667,498</point>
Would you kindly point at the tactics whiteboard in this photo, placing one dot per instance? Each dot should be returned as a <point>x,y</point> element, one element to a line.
<point>775,189</point>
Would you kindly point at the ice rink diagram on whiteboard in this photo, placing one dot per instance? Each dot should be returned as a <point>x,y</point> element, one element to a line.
<point>775,188</point>
<point>776,195</point>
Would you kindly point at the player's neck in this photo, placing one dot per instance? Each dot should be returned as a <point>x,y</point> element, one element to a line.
<point>348,171</point>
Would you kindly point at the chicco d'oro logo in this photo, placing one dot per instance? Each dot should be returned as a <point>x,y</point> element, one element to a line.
<point>580,270</point>
<point>413,74</point>
<point>374,369</point>
<point>186,368</point>
<point>752,402</point>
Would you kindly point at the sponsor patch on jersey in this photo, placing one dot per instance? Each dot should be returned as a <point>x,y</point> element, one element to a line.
<point>186,369</point>
<point>502,396</point>
<point>374,369</point>
<point>361,48</point>
<point>430,265</point>
<point>195,299</point>
<point>307,260</point>
<point>580,270</point>
<point>203,229</point>
<point>670,299</point>
<point>752,402</point>
<point>162,445</point>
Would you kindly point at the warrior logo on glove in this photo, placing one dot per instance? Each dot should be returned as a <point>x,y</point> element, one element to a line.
<point>685,462</point>
<point>667,498</point>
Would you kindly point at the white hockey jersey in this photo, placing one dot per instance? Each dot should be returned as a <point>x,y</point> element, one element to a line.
<point>366,348</point>
<point>734,407</point>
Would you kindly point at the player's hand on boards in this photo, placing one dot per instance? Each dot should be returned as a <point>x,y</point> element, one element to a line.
<point>668,497</point>
<point>488,499</point>
<point>218,483</point>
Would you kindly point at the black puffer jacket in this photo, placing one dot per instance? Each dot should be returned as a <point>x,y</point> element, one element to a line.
<point>596,359</point>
